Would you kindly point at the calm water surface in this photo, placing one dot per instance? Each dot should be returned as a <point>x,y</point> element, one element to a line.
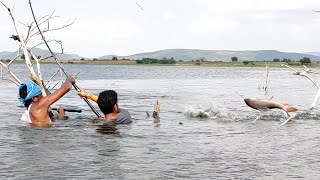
<point>224,146</point>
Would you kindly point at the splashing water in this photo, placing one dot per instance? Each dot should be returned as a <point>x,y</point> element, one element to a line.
<point>211,112</point>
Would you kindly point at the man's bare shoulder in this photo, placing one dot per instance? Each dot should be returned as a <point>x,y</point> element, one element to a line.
<point>39,112</point>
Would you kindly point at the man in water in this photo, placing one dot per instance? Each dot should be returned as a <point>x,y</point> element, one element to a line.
<point>38,106</point>
<point>108,104</point>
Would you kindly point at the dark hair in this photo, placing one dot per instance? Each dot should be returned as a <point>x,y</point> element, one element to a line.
<point>23,94</point>
<point>106,101</point>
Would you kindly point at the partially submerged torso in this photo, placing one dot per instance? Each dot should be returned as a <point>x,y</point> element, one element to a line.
<point>39,113</point>
<point>123,117</point>
<point>36,116</point>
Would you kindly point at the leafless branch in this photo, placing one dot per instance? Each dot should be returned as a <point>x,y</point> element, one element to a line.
<point>48,41</point>
<point>15,58</point>
<point>48,30</point>
<point>267,81</point>
<point>40,21</point>
<point>24,47</point>
<point>304,73</point>
<point>52,76</point>
<point>30,57</point>
<point>17,80</point>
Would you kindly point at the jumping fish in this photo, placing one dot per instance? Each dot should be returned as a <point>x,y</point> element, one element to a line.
<point>264,105</point>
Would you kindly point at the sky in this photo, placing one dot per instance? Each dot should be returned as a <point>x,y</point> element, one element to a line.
<point>127,27</point>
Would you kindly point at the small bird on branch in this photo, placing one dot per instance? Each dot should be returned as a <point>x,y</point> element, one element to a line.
<point>15,37</point>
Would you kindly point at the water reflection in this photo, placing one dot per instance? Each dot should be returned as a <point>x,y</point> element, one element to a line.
<point>107,128</point>
<point>156,119</point>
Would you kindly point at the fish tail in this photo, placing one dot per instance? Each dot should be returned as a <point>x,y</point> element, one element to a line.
<point>290,108</point>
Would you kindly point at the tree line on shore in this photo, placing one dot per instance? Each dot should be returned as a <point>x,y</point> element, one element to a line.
<point>289,61</point>
<point>142,61</point>
<point>198,61</point>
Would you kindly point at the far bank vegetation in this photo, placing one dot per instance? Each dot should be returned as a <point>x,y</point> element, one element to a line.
<point>234,62</point>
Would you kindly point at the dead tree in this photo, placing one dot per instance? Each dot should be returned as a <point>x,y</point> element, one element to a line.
<point>267,81</point>
<point>24,40</point>
<point>305,72</point>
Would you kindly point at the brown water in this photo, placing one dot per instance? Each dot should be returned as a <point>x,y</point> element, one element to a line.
<point>224,146</point>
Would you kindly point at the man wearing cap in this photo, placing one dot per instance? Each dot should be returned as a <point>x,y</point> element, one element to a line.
<point>37,105</point>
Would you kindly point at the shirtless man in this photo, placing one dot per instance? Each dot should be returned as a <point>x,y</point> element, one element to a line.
<point>37,105</point>
<point>108,104</point>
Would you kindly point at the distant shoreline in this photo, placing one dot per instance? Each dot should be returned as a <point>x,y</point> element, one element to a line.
<point>182,63</point>
<point>190,63</point>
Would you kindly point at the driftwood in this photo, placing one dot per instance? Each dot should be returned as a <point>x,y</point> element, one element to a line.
<point>305,72</point>
<point>267,81</point>
<point>156,110</point>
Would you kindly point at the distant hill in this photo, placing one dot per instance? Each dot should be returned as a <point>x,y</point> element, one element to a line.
<point>218,55</point>
<point>40,52</point>
<point>7,55</point>
<point>189,54</point>
<point>111,56</point>
<point>313,53</point>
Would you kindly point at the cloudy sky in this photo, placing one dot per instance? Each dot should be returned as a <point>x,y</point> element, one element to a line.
<point>126,27</point>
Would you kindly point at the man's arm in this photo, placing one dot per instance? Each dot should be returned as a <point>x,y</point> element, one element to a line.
<point>83,93</point>
<point>65,87</point>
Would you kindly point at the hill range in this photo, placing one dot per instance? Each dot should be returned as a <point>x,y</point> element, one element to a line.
<point>189,54</point>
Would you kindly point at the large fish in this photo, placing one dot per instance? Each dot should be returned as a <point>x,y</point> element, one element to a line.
<point>264,105</point>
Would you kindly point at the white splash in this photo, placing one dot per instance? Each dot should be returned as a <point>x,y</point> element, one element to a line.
<point>201,112</point>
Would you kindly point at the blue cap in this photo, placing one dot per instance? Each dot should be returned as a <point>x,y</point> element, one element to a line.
<point>33,89</point>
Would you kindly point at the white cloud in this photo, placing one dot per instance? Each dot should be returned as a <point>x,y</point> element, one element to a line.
<point>245,5</point>
<point>168,16</point>
<point>212,24</point>
<point>112,30</point>
<point>284,4</point>
<point>121,27</point>
<point>227,5</point>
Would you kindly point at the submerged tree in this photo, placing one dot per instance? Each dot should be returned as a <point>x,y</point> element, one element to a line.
<point>305,72</point>
<point>25,49</point>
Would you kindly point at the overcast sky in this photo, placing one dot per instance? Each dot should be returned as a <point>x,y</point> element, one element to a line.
<point>121,27</point>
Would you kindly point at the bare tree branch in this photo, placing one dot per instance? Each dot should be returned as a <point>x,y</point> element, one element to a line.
<point>52,76</point>
<point>16,57</point>
<point>48,30</point>
<point>24,47</point>
<point>304,73</point>
<point>48,41</point>
<point>17,80</point>
<point>29,56</point>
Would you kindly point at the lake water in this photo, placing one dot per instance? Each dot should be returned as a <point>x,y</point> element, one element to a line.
<point>224,146</point>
